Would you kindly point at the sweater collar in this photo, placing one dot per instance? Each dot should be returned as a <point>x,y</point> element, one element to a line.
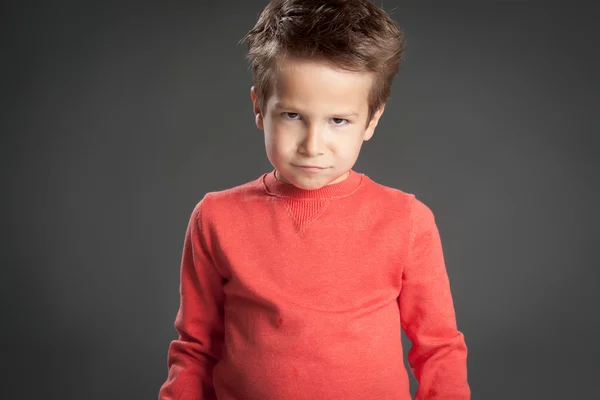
<point>343,188</point>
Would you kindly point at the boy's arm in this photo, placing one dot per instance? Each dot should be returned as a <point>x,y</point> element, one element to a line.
<point>199,321</point>
<point>438,356</point>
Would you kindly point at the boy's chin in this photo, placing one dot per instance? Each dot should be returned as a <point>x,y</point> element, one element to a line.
<point>308,180</point>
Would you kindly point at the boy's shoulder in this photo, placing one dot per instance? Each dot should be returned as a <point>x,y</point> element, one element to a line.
<point>242,190</point>
<point>385,190</point>
<point>394,195</point>
<point>412,203</point>
<point>225,198</point>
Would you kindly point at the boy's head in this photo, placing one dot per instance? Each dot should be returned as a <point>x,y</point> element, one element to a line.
<point>322,74</point>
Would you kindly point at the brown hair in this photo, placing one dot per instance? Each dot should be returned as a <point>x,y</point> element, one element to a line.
<point>353,35</point>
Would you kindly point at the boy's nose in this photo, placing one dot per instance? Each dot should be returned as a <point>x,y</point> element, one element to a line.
<point>312,144</point>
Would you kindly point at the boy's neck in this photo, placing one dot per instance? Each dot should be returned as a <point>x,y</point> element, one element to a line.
<point>339,188</point>
<point>281,179</point>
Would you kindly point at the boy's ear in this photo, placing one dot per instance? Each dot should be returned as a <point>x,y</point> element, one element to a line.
<point>373,123</point>
<point>257,111</point>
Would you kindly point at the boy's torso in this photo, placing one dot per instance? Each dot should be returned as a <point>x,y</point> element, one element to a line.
<point>311,289</point>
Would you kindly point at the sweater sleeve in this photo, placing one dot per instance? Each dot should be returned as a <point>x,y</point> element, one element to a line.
<point>438,356</point>
<point>199,321</point>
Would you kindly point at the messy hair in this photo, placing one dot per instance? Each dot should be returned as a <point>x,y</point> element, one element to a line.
<point>351,35</point>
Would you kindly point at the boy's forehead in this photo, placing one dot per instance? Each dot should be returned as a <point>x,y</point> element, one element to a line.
<point>309,81</point>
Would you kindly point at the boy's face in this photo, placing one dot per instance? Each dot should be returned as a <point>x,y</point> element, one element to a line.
<point>316,116</point>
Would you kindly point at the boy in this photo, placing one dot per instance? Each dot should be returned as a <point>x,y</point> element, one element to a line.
<point>296,285</point>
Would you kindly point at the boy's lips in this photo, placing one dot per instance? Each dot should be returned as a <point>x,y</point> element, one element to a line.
<point>310,166</point>
<point>311,169</point>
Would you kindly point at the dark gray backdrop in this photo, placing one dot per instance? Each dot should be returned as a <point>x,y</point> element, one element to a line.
<point>117,118</point>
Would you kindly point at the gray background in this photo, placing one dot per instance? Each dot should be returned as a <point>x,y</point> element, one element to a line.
<point>118,117</point>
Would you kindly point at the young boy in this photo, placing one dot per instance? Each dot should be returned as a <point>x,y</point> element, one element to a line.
<point>296,285</point>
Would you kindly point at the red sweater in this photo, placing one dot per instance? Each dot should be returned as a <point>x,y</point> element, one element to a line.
<point>290,294</point>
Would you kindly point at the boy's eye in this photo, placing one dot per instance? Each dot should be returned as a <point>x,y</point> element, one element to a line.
<point>339,121</point>
<point>291,115</point>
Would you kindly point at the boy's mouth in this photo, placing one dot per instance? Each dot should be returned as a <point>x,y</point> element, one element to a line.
<point>310,166</point>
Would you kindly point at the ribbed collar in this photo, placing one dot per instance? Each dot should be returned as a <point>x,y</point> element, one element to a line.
<point>281,189</point>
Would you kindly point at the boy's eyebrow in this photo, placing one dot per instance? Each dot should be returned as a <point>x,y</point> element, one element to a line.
<point>281,105</point>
